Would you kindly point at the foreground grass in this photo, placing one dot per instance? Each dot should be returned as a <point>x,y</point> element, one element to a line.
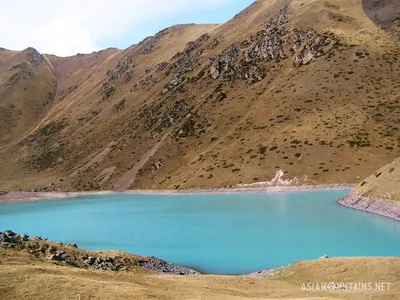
<point>23,276</point>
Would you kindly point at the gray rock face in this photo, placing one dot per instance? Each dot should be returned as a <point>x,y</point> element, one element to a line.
<point>264,47</point>
<point>382,12</point>
<point>224,63</point>
<point>298,37</point>
<point>318,46</point>
<point>383,208</point>
<point>160,266</point>
<point>250,59</point>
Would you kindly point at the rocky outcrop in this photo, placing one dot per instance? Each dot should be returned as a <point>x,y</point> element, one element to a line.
<point>121,73</point>
<point>107,90</point>
<point>297,38</point>
<point>185,62</point>
<point>149,44</point>
<point>70,254</point>
<point>380,207</point>
<point>251,59</point>
<point>174,84</point>
<point>216,42</point>
<point>105,263</point>
<point>318,46</point>
<point>26,68</point>
<point>157,265</point>
<point>224,63</point>
<point>271,43</point>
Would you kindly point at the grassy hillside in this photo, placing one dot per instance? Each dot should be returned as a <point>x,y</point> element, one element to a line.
<point>384,184</point>
<point>310,87</point>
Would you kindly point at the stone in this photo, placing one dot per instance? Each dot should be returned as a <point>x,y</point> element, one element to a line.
<point>90,260</point>
<point>24,237</point>
<point>56,257</point>
<point>9,233</point>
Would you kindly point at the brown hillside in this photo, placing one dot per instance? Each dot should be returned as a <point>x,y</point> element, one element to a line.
<point>310,87</point>
<point>384,184</point>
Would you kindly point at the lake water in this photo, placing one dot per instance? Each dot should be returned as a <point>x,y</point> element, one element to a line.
<point>224,234</point>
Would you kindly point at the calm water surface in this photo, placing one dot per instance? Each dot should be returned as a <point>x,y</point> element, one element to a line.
<point>225,234</point>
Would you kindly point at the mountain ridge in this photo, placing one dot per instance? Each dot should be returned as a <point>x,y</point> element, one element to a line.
<point>285,85</point>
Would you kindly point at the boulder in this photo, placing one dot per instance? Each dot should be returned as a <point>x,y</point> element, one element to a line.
<point>9,233</point>
<point>56,257</point>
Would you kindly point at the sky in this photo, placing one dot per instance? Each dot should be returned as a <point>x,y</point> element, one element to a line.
<point>82,26</point>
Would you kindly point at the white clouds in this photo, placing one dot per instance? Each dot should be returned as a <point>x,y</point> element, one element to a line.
<point>68,27</point>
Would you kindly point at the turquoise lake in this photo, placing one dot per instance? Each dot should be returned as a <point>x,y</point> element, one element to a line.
<point>224,234</point>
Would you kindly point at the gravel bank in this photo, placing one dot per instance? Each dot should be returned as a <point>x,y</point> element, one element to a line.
<point>384,208</point>
<point>41,196</point>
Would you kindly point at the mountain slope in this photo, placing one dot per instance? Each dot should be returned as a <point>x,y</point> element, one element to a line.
<point>379,193</point>
<point>309,87</point>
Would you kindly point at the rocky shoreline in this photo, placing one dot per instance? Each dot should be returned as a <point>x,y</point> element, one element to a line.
<point>383,208</point>
<point>16,196</point>
<point>71,255</point>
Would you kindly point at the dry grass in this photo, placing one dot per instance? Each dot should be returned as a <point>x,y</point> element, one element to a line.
<point>383,184</point>
<point>331,121</point>
<point>24,277</point>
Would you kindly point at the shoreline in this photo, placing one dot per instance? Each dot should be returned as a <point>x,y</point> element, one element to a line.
<point>379,207</point>
<point>382,208</point>
<point>14,196</point>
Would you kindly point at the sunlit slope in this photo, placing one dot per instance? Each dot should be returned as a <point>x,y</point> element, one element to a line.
<point>307,87</point>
